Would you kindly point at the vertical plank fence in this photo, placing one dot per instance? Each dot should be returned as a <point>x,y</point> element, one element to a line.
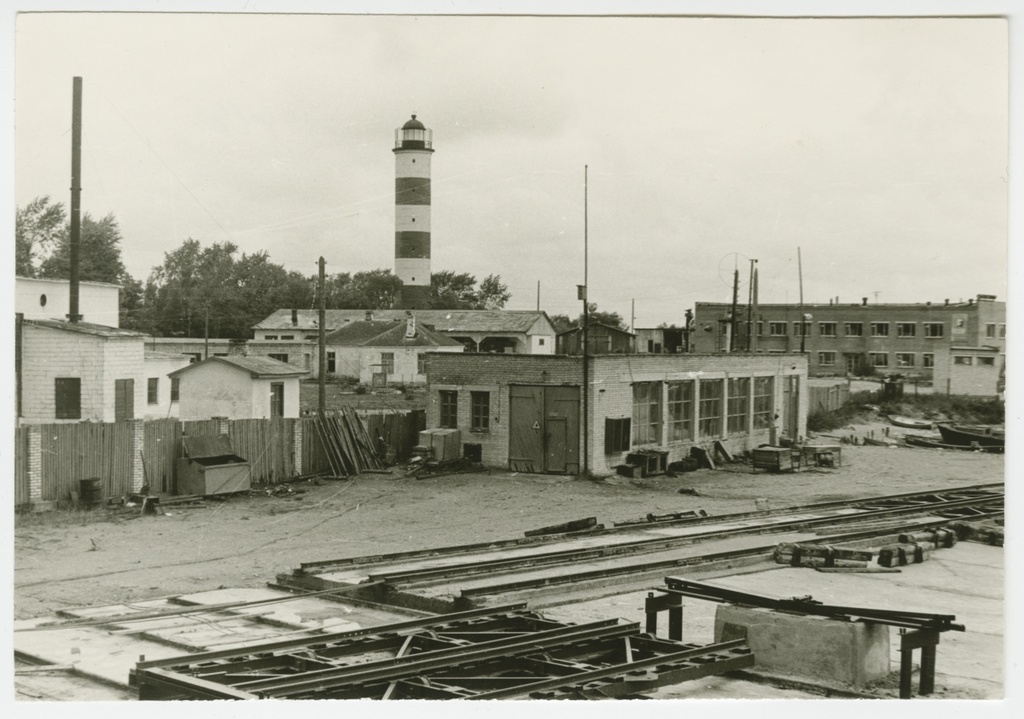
<point>314,459</point>
<point>828,399</point>
<point>266,445</point>
<point>161,449</point>
<point>71,452</point>
<point>21,491</point>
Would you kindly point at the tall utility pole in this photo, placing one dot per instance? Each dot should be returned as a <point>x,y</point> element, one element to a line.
<point>750,307</point>
<point>206,331</point>
<point>586,338</point>
<point>538,295</point>
<point>632,315</point>
<point>754,346</point>
<point>76,195</point>
<point>732,315</point>
<point>322,338</point>
<point>803,319</point>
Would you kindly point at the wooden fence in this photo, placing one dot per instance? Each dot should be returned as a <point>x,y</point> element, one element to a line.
<point>72,452</point>
<point>828,399</point>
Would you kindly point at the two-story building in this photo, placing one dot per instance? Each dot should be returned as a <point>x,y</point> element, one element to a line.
<point>856,339</point>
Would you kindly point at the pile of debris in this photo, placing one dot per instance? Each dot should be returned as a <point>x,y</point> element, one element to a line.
<point>349,448</point>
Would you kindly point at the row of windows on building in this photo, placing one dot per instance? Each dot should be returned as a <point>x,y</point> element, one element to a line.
<point>929,330</point>
<point>736,403</point>
<point>67,394</point>
<point>827,358</point>
<point>479,410</point>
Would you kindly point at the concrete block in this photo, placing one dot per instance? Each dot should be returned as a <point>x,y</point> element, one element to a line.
<point>816,648</point>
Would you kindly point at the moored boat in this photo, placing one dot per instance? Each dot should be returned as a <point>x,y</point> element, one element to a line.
<point>931,443</point>
<point>909,422</point>
<point>952,434</point>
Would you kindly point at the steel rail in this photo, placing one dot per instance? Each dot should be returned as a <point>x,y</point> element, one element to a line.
<point>319,641</point>
<point>645,546</point>
<point>660,565</point>
<point>414,664</point>
<point>617,670</point>
<point>897,617</point>
<point>319,566</point>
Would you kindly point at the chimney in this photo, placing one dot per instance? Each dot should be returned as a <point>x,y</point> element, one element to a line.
<point>295,318</point>
<point>369,316</point>
<point>864,301</point>
<point>410,326</point>
<point>970,302</point>
<point>946,303</point>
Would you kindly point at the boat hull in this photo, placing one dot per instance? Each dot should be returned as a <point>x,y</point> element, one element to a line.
<point>958,436</point>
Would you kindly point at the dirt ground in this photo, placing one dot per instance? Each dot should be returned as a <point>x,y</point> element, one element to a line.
<point>65,559</point>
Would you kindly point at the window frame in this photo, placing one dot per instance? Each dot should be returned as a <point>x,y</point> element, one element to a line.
<point>831,358</point>
<point>175,389</point>
<point>880,329</point>
<point>901,328</point>
<point>647,413</point>
<point>332,362</point>
<point>901,359</point>
<point>277,399</point>
<point>827,329</point>
<point>152,390</point>
<point>679,410</point>
<point>763,409</point>
<point>737,411</point>
<point>965,360</point>
<point>848,329</point>
<point>929,330</point>
<point>387,363</point>
<point>774,326</point>
<point>709,409</point>
<point>279,356</point>
<point>873,358</point>
<point>927,360</point>
<point>479,411</point>
<point>990,329</point>
<point>448,408</point>
<point>67,397</point>
<point>986,361</point>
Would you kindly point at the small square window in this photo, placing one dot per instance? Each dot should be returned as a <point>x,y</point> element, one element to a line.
<point>989,361</point>
<point>962,360</point>
<point>906,329</point>
<point>879,329</point>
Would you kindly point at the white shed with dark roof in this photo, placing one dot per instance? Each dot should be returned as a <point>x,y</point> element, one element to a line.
<point>238,387</point>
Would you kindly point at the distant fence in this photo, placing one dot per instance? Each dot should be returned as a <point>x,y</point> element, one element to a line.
<point>124,456</point>
<point>828,399</point>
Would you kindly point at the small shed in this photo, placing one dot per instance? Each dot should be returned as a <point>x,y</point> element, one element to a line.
<point>602,339</point>
<point>210,466</point>
<point>238,387</point>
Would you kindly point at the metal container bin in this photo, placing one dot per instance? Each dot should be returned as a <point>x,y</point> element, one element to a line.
<point>211,467</point>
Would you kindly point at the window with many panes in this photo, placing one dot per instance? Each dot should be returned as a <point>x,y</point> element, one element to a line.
<point>480,416</point>
<point>777,329</point>
<point>647,413</point>
<point>927,359</point>
<point>934,329</point>
<point>738,405</point>
<point>175,389</point>
<point>421,364</point>
<point>854,329</point>
<point>67,393</point>
<point>879,329</point>
<point>1002,330</point>
<point>709,417</point>
<point>826,359</point>
<point>277,399</point>
<point>878,359</point>
<point>387,362</point>
<point>332,362</point>
<point>448,405</point>
<point>904,359</point>
<point>827,329</point>
<point>961,359</point>
<point>990,329</point>
<point>153,390</point>
<point>680,411</point>
<point>906,329</point>
<point>764,405</point>
<point>798,328</point>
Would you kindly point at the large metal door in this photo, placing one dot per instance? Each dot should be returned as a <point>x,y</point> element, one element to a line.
<point>124,399</point>
<point>525,430</point>
<point>544,429</point>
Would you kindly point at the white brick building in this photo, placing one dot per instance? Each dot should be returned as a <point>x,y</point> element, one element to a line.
<point>397,351</point>
<point>39,298</point>
<point>71,372</point>
<point>526,412</point>
<point>238,387</point>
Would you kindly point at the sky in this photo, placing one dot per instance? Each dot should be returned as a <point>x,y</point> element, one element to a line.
<point>878,147</point>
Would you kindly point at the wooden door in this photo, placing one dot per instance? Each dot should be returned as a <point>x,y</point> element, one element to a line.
<point>554,445</point>
<point>124,399</point>
<point>526,432</point>
<point>791,406</point>
<point>562,429</point>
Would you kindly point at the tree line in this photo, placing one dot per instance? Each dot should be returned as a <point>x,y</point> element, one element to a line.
<point>215,288</point>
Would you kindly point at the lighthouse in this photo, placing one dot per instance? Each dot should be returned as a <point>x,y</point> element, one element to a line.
<point>412,213</point>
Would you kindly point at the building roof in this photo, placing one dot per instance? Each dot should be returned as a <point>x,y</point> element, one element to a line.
<point>259,367</point>
<point>65,281</point>
<point>379,333</point>
<point>413,124</point>
<point>85,328</point>
<point>447,321</point>
<point>573,330</point>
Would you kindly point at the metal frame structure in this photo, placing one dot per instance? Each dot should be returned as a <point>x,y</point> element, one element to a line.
<point>501,653</point>
<point>918,630</point>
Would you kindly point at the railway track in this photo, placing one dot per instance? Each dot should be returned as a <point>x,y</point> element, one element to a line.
<point>468,575</point>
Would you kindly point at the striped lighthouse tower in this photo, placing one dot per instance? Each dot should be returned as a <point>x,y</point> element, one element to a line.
<point>412,213</point>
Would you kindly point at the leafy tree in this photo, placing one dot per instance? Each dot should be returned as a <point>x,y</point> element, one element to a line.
<point>99,254</point>
<point>613,319</point>
<point>451,291</point>
<point>38,229</point>
<point>493,294</point>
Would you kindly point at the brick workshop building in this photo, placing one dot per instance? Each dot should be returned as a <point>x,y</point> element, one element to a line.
<point>525,411</point>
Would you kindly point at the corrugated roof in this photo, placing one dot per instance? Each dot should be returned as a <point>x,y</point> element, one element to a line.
<point>255,366</point>
<point>357,333</point>
<point>440,320</point>
<point>85,328</point>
